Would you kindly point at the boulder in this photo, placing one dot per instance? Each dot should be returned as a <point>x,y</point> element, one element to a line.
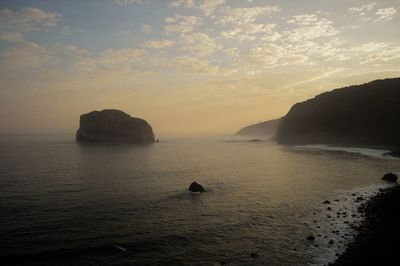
<point>310,238</point>
<point>196,187</point>
<point>254,255</point>
<point>113,126</point>
<point>358,199</point>
<point>390,177</point>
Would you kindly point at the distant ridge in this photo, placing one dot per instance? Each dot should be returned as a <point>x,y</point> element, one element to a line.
<point>262,129</point>
<point>365,115</point>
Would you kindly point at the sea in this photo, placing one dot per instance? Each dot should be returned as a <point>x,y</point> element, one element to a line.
<point>68,203</point>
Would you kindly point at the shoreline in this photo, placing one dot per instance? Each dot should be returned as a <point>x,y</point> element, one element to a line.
<point>372,151</point>
<point>377,240</point>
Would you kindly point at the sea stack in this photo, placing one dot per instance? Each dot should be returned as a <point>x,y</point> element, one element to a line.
<point>196,187</point>
<point>112,125</point>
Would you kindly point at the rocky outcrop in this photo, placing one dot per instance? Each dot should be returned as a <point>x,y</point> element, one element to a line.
<point>196,187</point>
<point>390,177</point>
<point>264,129</point>
<point>362,115</point>
<point>113,126</point>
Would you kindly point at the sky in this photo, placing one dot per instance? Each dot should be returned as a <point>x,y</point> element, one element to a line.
<point>185,66</point>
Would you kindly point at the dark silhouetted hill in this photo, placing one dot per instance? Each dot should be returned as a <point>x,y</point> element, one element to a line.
<point>265,129</point>
<point>364,115</point>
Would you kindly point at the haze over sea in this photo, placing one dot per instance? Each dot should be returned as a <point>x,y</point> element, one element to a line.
<point>73,203</point>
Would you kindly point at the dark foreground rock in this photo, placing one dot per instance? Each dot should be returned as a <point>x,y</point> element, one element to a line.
<point>390,177</point>
<point>196,187</point>
<point>113,126</point>
<point>378,240</point>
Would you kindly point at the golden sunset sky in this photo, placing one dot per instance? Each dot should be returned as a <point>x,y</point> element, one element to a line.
<point>186,66</point>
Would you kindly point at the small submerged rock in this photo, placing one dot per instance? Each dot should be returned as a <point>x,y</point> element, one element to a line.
<point>310,238</point>
<point>254,255</point>
<point>390,177</point>
<point>196,187</point>
<point>358,199</point>
<point>326,202</point>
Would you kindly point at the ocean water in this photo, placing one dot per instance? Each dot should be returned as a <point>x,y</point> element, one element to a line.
<point>64,203</point>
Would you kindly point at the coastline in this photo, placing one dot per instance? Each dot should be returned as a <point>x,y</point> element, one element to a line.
<point>372,151</point>
<point>377,240</point>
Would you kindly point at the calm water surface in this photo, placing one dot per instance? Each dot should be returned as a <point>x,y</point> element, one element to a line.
<point>68,203</point>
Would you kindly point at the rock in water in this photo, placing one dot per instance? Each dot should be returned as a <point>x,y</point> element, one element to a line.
<point>310,238</point>
<point>390,177</point>
<point>196,187</point>
<point>254,255</point>
<point>113,126</point>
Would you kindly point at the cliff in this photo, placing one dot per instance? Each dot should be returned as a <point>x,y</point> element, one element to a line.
<point>365,115</point>
<point>266,128</point>
<point>113,126</point>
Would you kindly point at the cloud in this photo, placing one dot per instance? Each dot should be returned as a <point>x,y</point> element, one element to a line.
<point>360,10</point>
<point>116,57</point>
<point>147,28</point>
<point>386,13</point>
<point>72,49</point>
<point>187,64</point>
<point>38,62</point>
<point>27,19</point>
<point>271,36</point>
<point>310,27</point>
<point>199,44</point>
<point>365,13</point>
<point>304,20</point>
<point>158,44</point>
<point>375,52</point>
<point>239,16</point>
<point>272,55</point>
<point>180,24</point>
<point>127,2</point>
<point>67,30</point>
<point>207,7</point>
<point>25,56</point>
<point>181,3</point>
<point>245,31</point>
<point>12,37</point>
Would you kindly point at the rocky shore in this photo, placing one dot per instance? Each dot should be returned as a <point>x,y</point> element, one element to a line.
<point>377,241</point>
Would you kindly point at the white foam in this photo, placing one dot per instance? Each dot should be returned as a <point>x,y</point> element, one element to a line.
<point>341,230</point>
<point>120,248</point>
<point>376,153</point>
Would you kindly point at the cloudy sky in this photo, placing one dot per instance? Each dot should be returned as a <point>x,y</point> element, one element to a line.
<point>186,66</point>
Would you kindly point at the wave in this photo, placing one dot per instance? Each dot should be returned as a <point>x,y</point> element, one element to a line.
<point>375,153</point>
<point>334,224</point>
